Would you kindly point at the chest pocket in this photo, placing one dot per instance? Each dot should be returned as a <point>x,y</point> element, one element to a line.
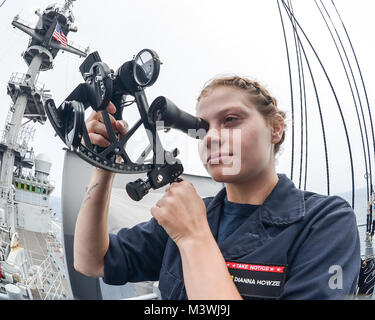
<point>244,241</point>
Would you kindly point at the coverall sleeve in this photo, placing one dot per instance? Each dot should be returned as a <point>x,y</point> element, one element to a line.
<point>135,254</point>
<point>328,262</point>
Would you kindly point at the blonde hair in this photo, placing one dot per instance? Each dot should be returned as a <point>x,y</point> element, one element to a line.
<point>259,96</point>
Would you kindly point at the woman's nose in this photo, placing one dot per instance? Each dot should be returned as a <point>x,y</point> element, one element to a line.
<point>212,138</point>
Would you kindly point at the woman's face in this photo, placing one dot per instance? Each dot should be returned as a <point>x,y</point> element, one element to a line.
<point>239,142</point>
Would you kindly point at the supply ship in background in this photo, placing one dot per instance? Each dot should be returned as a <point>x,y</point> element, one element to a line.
<point>32,259</point>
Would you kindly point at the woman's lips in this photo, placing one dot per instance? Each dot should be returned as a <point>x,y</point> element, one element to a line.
<point>219,158</point>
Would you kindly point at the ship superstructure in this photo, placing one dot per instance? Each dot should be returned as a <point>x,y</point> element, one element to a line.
<point>31,254</point>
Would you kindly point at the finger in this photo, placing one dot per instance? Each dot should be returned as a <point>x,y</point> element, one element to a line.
<point>122,127</point>
<point>98,128</point>
<point>98,115</point>
<point>93,116</point>
<point>99,140</point>
<point>177,183</point>
<point>111,108</point>
<point>156,212</point>
<point>164,202</point>
<point>160,216</point>
<point>172,186</point>
<point>111,119</point>
<point>159,204</point>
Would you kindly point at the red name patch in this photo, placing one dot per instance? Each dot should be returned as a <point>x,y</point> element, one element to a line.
<point>255,267</point>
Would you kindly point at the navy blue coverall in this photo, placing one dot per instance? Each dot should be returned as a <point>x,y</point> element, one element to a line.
<point>314,236</point>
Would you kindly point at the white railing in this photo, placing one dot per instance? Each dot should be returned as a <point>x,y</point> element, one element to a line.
<point>22,149</point>
<point>54,247</point>
<point>52,288</point>
<point>19,78</point>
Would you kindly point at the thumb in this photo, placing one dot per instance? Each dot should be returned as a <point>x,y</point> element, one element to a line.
<point>122,126</point>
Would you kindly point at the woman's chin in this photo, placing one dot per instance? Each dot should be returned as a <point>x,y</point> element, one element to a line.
<point>223,169</point>
<point>222,173</point>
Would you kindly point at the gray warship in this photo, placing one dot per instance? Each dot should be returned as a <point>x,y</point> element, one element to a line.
<point>32,259</point>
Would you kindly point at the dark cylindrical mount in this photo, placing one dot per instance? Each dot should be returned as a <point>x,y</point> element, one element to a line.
<point>164,110</point>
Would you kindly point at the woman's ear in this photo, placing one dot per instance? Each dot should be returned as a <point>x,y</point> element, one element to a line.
<point>277,128</point>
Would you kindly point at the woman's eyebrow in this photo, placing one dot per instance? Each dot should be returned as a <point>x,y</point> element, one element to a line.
<point>234,109</point>
<point>237,109</point>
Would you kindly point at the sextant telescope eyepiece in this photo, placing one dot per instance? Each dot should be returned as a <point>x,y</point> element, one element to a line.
<point>164,110</point>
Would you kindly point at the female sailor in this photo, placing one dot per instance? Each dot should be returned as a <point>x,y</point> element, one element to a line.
<point>259,237</point>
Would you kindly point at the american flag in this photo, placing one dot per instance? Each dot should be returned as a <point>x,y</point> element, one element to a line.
<point>59,35</point>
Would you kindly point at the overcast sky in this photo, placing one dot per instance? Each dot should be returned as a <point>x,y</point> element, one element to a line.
<point>197,40</point>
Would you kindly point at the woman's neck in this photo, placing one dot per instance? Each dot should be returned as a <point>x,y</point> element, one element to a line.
<point>254,190</point>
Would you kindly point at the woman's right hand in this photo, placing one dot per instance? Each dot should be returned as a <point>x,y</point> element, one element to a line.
<point>97,130</point>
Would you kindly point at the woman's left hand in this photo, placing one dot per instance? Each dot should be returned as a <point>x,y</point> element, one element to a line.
<point>182,213</point>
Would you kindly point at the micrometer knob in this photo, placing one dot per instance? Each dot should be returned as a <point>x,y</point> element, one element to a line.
<point>138,189</point>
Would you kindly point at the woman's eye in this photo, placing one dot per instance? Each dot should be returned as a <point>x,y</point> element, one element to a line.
<point>230,119</point>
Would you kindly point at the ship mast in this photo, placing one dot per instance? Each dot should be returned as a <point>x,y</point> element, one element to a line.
<point>27,94</point>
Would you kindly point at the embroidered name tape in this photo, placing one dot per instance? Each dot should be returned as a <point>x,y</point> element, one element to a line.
<point>255,280</point>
